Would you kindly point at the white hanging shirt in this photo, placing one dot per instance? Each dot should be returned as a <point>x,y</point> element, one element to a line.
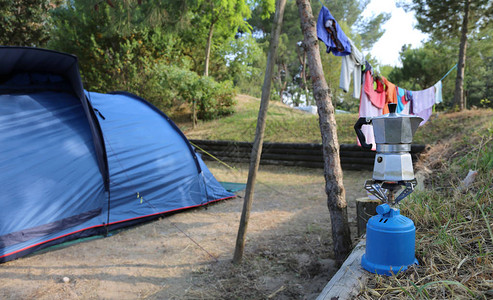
<point>351,65</point>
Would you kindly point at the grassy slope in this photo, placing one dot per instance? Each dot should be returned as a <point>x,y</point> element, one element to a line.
<point>285,124</point>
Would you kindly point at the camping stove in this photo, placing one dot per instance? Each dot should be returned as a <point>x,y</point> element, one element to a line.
<point>390,236</point>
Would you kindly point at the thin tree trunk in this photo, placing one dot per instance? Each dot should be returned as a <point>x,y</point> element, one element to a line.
<point>302,59</point>
<point>303,73</point>
<point>208,49</point>
<point>334,188</point>
<point>259,134</point>
<point>283,88</point>
<point>459,100</point>
<point>194,114</point>
<point>284,83</point>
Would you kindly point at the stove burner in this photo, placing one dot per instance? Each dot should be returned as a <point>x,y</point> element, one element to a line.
<point>385,190</point>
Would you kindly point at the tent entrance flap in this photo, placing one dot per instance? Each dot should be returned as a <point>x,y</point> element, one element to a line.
<point>49,175</point>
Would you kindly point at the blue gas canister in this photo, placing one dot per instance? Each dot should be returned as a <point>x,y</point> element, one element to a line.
<point>390,242</point>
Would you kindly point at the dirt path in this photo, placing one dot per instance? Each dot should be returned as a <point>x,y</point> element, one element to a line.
<point>288,249</point>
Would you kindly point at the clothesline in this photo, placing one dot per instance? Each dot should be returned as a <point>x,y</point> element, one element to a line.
<point>455,66</point>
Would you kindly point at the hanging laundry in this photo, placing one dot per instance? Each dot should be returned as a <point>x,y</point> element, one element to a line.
<point>409,98</point>
<point>409,95</point>
<point>377,98</point>
<point>378,85</point>
<point>329,32</point>
<point>390,94</point>
<point>423,102</point>
<point>367,109</point>
<point>367,66</point>
<point>438,92</point>
<point>402,103</point>
<point>351,64</point>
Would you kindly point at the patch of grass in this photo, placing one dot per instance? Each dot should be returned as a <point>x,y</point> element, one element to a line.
<point>444,126</point>
<point>285,124</point>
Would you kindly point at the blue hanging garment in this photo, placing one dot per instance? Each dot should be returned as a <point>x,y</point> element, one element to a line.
<point>401,99</point>
<point>329,32</point>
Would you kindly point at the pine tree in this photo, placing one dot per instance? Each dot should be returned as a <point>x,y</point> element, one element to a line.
<point>448,19</point>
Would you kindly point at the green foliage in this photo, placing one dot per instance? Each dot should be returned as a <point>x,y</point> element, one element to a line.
<point>218,99</point>
<point>25,22</point>
<point>243,63</point>
<point>108,59</point>
<point>145,60</point>
<point>223,18</point>
<point>226,14</point>
<point>180,86</point>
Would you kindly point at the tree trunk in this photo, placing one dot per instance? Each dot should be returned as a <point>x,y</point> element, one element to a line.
<point>459,100</point>
<point>259,133</point>
<point>336,195</point>
<point>208,49</point>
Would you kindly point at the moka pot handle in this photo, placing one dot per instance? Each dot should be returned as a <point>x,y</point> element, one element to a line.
<point>361,137</point>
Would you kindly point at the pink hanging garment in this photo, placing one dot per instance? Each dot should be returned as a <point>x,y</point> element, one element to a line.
<point>377,98</point>
<point>367,109</point>
<point>423,102</point>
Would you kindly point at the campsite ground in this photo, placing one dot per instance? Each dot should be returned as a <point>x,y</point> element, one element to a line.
<point>287,255</point>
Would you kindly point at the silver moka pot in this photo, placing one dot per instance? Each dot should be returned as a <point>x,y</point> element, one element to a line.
<point>393,136</point>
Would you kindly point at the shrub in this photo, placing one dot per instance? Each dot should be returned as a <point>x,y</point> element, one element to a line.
<point>212,99</point>
<point>217,99</point>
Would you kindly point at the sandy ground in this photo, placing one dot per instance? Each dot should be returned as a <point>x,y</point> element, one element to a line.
<point>188,255</point>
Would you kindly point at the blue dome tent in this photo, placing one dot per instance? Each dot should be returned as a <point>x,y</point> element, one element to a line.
<point>77,163</point>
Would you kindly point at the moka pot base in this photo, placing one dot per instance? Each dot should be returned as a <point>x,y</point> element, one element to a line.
<point>393,162</point>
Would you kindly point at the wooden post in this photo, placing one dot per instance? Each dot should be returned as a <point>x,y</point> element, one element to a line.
<point>259,133</point>
<point>334,188</point>
<point>365,209</point>
<point>347,282</point>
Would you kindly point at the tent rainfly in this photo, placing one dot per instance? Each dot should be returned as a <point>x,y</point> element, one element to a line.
<point>76,163</point>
